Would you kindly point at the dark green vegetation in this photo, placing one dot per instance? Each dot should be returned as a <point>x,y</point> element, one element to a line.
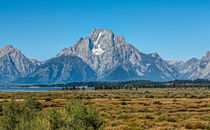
<point>135,84</point>
<point>142,108</point>
<point>29,116</point>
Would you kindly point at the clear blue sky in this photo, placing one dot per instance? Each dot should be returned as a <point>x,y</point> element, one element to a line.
<point>176,29</point>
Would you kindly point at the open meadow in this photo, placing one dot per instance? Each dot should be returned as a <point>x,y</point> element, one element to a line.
<point>143,108</point>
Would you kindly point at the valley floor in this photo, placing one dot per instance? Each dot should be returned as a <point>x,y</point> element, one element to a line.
<point>166,108</point>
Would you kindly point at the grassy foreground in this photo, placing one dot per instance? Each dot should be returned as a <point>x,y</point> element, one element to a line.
<point>158,108</point>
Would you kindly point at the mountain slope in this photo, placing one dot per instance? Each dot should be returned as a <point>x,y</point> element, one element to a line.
<point>112,58</point>
<point>62,69</point>
<point>13,64</point>
<point>102,56</point>
<point>194,68</point>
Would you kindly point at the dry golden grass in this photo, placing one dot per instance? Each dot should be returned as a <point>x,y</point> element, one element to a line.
<point>158,109</point>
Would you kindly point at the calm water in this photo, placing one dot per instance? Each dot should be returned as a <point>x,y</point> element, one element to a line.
<point>28,89</point>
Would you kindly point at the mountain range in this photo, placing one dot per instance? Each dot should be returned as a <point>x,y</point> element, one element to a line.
<point>102,56</point>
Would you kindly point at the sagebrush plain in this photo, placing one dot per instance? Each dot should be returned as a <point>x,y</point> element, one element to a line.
<point>143,108</point>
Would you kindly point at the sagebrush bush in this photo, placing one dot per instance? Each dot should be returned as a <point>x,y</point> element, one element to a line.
<point>83,117</point>
<point>123,103</point>
<point>29,116</point>
<point>33,104</point>
<point>194,125</point>
<point>47,99</point>
<point>11,116</point>
<point>30,111</point>
<point>0,108</point>
<point>157,102</point>
<point>56,119</point>
<point>149,117</point>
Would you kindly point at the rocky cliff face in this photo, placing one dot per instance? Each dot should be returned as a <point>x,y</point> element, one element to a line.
<point>194,68</point>
<point>61,69</point>
<point>13,64</point>
<point>100,56</point>
<point>112,58</point>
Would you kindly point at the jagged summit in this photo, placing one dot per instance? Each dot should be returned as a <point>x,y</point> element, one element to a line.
<point>98,42</point>
<point>102,56</point>
<point>97,31</point>
<point>208,54</point>
<point>112,58</point>
<point>96,34</point>
<point>14,64</point>
<point>194,68</point>
<point>8,46</point>
<point>7,49</point>
<point>193,60</point>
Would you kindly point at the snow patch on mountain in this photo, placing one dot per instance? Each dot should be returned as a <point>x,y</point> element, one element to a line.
<point>98,51</point>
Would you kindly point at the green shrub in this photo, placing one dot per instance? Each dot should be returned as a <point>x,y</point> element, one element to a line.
<point>48,99</point>
<point>30,111</point>
<point>0,108</point>
<point>144,104</point>
<point>55,119</point>
<point>171,119</point>
<point>53,105</point>
<point>11,116</point>
<point>149,96</point>
<point>83,117</point>
<point>174,100</point>
<point>194,125</point>
<point>161,118</point>
<point>29,116</point>
<point>149,117</point>
<point>88,97</point>
<point>157,102</point>
<point>124,117</point>
<point>33,104</point>
<point>123,103</point>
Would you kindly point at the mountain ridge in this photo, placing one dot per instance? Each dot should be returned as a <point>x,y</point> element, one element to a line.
<point>105,56</point>
<point>106,52</point>
<point>194,68</point>
<point>14,64</point>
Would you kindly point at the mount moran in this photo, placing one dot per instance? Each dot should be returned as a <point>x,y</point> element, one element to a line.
<point>103,56</point>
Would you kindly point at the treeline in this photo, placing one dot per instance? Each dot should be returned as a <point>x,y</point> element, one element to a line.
<point>196,81</point>
<point>132,84</point>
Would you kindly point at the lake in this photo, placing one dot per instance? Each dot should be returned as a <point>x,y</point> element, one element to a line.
<point>15,89</point>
